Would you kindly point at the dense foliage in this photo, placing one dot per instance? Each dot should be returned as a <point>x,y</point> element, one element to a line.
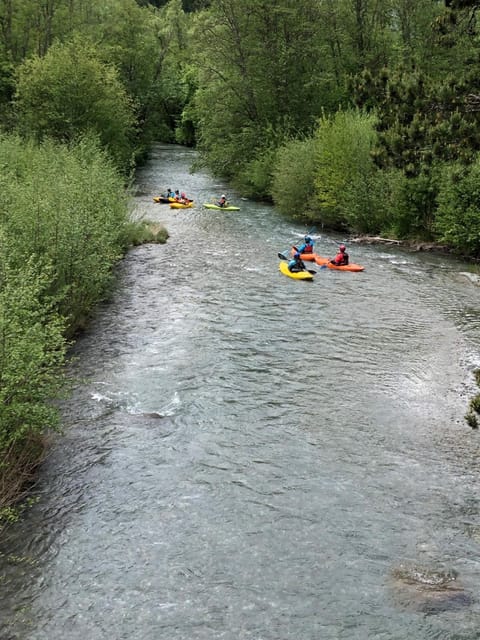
<point>69,92</point>
<point>63,225</point>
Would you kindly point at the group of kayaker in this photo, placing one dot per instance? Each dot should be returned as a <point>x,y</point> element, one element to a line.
<point>182,197</point>
<point>177,196</point>
<point>297,264</point>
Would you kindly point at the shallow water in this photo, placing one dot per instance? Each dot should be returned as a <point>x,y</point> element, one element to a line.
<point>311,442</point>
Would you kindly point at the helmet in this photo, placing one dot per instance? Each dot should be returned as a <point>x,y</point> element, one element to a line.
<point>223,195</point>
<point>308,239</point>
<point>342,247</point>
<point>296,255</point>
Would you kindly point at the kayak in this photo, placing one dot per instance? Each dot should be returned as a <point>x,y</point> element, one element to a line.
<point>181,205</point>
<point>163,199</point>
<point>297,275</point>
<point>307,257</point>
<point>344,267</point>
<point>209,205</point>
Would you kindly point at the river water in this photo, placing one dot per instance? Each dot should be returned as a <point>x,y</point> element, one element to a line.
<point>311,475</point>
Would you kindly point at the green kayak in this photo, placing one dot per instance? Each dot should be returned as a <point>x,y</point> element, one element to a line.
<point>209,205</point>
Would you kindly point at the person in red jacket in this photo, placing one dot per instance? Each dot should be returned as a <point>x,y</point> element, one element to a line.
<point>341,258</point>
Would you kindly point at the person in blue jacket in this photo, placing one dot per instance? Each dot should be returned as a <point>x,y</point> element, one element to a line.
<point>296,264</point>
<point>307,246</point>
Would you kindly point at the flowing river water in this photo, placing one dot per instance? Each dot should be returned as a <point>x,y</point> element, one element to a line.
<point>249,457</point>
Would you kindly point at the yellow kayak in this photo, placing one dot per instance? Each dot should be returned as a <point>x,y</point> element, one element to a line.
<point>181,205</point>
<point>163,199</point>
<point>297,275</point>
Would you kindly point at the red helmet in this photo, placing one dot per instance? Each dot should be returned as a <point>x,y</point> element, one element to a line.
<point>342,248</point>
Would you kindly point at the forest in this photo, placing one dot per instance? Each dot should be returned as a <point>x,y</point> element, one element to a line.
<point>354,115</point>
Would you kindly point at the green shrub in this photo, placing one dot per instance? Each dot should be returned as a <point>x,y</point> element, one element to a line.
<point>32,351</point>
<point>476,374</point>
<point>144,231</point>
<point>458,216</point>
<point>475,403</point>
<point>413,204</point>
<point>472,420</point>
<point>70,92</point>
<point>67,205</point>
<point>350,191</point>
<point>293,177</point>
<point>63,225</point>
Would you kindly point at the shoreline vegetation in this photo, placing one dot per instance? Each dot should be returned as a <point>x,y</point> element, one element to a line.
<point>58,249</point>
<point>416,246</point>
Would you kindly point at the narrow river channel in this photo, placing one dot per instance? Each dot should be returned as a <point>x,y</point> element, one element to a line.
<point>249,457</point>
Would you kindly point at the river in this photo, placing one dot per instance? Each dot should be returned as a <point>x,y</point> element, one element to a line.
<point>249,457</point>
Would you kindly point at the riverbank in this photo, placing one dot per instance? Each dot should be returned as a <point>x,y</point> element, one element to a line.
<point>411,245</point>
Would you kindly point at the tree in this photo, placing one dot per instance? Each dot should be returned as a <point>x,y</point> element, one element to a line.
<point>260,74</point>
<point>69,92</point>
<point>349,190</point>
<point>458,215</point>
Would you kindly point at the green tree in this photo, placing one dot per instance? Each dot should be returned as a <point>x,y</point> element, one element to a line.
<point>32,357</point>
<point>259,71</point>
<point>458,215</point>
<point>67,206</point>
<point>70,91</point>
<point>294,176</point>
<point>349,189</point>
<point>32,350</point>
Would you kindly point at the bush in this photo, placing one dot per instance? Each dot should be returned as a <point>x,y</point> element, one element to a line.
<point>63,225</point>
<point>70,92</point>
<point>255,178</point>
<point>458,215</point>
<point>293,177</point>
<point>350,191</point>
<point>67,205</point>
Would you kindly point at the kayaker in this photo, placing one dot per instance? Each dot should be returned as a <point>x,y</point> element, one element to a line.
<point>177,195</point>
<point>341,258</point>
<point>307,246</point>
<point>296,264</point>
<point>223,201</point>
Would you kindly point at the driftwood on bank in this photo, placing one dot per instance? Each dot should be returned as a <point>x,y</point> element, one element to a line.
<point>375,240</point>
<point>410,245</point>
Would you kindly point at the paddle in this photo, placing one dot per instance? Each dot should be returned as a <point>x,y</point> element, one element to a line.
<point>282,257</point>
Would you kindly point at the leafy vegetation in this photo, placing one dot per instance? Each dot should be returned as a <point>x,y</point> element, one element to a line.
<point>63,224</point>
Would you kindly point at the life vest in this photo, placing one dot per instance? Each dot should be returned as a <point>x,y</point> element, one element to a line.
<point>308,248</point>
<point>341,259</point>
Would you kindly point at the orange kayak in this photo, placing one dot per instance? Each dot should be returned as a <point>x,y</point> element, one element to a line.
<point>344,267</point>
<point>325,262</point>
<point>308,257</point>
